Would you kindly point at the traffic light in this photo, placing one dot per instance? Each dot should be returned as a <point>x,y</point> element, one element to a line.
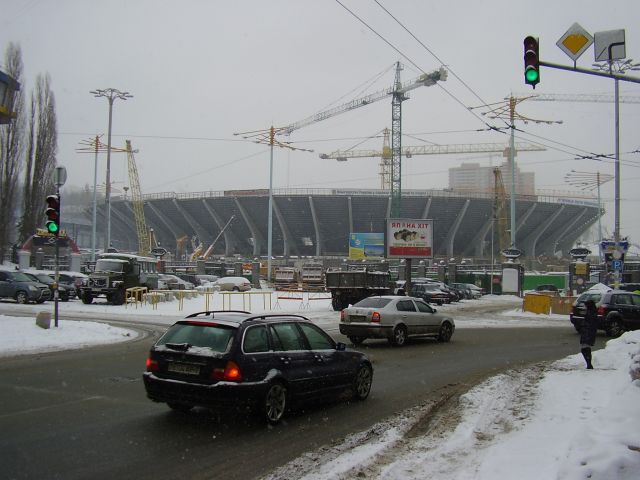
<point>53,214</point>
<point>531,61</point>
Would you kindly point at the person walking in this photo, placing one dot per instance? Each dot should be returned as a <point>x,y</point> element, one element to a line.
<point>588,331</point>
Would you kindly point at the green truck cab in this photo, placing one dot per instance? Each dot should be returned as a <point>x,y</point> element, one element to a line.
<point>114,273</point>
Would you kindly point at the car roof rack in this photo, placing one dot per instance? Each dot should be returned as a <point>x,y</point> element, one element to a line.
<point>268,316</point>
<point>213,312</point>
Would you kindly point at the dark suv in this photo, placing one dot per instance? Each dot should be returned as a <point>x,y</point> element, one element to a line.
<point>236,359</point>
<point>618,311</point>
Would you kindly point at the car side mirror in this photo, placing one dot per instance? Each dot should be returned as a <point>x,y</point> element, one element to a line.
<point>435,310</point>
<point>341,346</point>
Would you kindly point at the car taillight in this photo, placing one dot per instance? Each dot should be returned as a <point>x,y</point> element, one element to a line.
<point>230,373</point>
<point>342,315</point>
<point>375,317</point>
<point>152,365</point>
<point>601,310</point>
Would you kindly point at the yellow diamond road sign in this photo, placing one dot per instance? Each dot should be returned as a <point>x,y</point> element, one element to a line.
<point>575,41</point>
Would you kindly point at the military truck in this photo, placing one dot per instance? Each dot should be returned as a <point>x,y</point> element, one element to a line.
<point>351,286</point>
<point>114,273</point>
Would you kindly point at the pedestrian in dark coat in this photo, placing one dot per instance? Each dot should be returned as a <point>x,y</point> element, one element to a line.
<point>588,331</point>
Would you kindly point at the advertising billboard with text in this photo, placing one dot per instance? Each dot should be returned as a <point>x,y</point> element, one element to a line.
<point>409,238</point>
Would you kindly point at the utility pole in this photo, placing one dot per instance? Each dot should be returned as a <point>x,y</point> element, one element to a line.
<point>268,137</point>
<point>507,111</point>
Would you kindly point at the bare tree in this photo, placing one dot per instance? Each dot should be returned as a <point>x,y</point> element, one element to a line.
<point>11,152</point>
<point>42,147</point>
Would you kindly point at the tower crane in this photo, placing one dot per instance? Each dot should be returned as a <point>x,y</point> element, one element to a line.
<point>399,93</point>
<point>385,153</point>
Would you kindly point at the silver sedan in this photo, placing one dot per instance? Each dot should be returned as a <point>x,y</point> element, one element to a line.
<point>394,318</point>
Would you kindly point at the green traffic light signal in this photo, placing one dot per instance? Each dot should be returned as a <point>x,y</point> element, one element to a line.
<point>532,75</point>
<point>531,61</point>
<point>52,227</point>
<point>53,214</point>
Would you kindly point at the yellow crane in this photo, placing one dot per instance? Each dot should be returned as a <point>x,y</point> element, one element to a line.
<point>500,209</point>
<point>144,243</point>
<point>385,153</point>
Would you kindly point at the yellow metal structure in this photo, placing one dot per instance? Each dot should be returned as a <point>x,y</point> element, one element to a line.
<point>180,246</point>
<point>144,245</point>
<point>500,209</point>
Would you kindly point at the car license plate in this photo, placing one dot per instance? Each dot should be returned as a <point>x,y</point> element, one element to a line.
<point>358,318</point>
<point>184,369</point>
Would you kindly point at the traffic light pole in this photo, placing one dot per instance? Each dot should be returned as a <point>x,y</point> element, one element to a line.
<point>56,292</point>
<point>615,76</point>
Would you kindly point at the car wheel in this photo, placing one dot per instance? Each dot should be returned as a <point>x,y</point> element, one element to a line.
<point>275,403</point>
<point>180,407</point>
<point>22,298</point>
<point>399,336</point>
<point>362,383</point>
<point>65,298</point>
<point>40,300</point>
<point>336,304</point>
<point>86,297</point>
<point>235,289</point>
<point>356,340</point>
<point>446,331</point>
<point>614,328</point>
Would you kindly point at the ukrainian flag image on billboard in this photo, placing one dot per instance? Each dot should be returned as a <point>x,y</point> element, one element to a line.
<point>366,245</point>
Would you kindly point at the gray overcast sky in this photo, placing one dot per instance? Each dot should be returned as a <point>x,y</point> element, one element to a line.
<point>202,70</point>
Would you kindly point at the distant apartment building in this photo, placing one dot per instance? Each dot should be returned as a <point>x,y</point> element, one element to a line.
<point>471,177</point>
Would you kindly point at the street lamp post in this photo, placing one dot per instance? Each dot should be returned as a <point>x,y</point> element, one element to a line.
<point>619,67</point>
<point>110,94</point>
<point>589,181</point>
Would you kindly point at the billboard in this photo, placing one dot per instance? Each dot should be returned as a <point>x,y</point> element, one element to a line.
<point>409,238</point>
<point>366,245</point>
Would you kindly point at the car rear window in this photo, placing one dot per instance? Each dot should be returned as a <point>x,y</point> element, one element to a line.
<point>589,296</point>
<point>372,302</point>
<point>217,338</point>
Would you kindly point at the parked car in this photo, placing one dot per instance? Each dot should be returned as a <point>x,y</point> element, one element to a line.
<point>63,292</point>
<point>463,290</point>
<point>430,292</point>
<point>235,359</point>
<point>22,288</point>
<point>476,290</point>
<point>235,284</point>
<point>547,287</point>
<point>394,318</point>
<point>204,279</point>
<point>618,310</point>
<point>173,282</point>
<point>72,281</point>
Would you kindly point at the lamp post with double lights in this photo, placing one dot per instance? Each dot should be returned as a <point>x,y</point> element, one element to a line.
<point>111,94</point>
<point>590,181</point>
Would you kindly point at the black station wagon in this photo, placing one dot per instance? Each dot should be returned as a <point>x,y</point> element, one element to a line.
<point>233,359</point>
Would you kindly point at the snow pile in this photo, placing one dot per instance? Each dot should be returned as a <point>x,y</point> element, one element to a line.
<point>548,421</point>
<point>21,335</point>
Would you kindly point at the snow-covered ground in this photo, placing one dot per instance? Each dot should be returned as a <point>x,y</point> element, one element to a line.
<point>555,420</point>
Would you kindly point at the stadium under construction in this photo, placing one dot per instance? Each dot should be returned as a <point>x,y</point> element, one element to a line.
<point>318,222</point>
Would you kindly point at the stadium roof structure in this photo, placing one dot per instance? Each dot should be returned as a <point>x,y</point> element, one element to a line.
<point>318,222</point>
